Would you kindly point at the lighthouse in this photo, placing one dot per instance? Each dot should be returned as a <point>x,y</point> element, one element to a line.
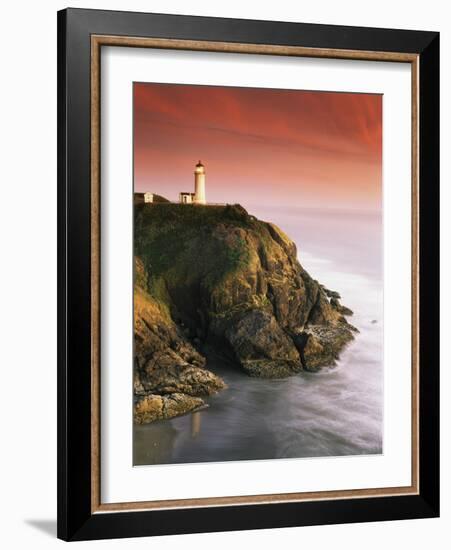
<point>199,184</point>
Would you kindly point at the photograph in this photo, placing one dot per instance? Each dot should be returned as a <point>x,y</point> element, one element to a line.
<point>258,285</point>
<point>248,303</point>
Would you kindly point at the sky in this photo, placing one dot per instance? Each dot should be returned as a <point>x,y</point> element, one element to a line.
<point>265,147</point>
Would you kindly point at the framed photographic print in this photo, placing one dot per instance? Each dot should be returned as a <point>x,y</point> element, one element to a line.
<point>248,274</point>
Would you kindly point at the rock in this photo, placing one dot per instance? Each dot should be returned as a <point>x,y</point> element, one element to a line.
<point>170,373</point>
<point>331,293</point>
<point>159,407</point>
<point>271,368</point>
<point>165,372</point>
<point>340,308</point>
<point>260,345</point>
<point>214,277</point>
<point>323,344</point>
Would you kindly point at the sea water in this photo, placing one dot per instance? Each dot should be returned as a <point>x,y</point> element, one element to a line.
<point>337,411</point>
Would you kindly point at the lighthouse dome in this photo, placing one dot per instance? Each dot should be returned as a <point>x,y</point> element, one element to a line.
<point>200,168</point>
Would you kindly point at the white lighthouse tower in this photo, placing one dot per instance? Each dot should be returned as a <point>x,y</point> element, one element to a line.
<point>199,184</point>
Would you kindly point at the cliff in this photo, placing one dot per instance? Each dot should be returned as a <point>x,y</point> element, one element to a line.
<point>216,279</point>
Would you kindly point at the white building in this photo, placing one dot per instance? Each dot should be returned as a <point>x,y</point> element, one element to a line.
<point>199,184</point>
<point>186,198</point>
<point>198,197</point>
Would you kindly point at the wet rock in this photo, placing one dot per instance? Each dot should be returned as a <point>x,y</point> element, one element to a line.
<point>323,345</point>
<point>261,346</point>
<point>159,407</point>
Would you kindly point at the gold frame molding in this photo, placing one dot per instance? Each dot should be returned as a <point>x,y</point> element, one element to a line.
<point>97,41</point>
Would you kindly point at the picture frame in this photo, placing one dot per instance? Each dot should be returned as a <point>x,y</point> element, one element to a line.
<point>81,36</point>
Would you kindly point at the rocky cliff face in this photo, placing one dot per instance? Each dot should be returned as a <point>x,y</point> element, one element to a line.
<point>215,278</point>
<point>169,374</point>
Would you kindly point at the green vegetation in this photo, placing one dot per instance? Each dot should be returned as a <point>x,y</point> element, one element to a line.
<point>238,255</point>
<point>185,243</point>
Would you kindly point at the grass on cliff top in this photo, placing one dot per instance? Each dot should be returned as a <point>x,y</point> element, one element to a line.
<point>152,219</point>
<point>166,214</point>
<point>177,242</point>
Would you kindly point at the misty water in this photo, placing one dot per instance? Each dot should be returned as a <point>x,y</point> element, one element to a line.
<point>335,412</point>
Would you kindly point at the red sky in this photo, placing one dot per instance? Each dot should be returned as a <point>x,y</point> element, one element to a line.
<point>260,146</point>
